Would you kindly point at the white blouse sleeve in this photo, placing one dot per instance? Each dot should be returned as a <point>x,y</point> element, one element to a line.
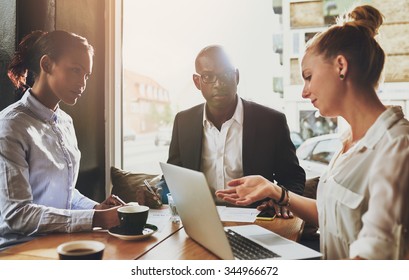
<point>385,220</point>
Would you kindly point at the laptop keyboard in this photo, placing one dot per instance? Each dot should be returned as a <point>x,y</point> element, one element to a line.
<point>246,249</point>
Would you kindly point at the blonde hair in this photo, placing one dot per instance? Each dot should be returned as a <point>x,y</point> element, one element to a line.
<point>354,37</point>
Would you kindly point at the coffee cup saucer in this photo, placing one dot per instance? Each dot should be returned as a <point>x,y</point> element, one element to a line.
<point>119,233</point>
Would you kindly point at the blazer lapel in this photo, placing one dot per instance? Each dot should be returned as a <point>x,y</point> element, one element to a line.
<point>248,137</point>
<point>196,139</point>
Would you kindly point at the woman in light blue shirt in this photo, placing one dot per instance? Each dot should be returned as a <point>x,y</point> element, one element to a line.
<point>39,156</point>
<point>361,207</point>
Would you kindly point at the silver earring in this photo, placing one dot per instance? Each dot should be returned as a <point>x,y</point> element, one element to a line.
<point>341,76</point>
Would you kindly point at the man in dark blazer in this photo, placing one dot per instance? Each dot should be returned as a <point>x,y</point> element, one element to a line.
<point>255,140</point>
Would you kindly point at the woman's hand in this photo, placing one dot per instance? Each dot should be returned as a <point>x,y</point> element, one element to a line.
<point>281,211</point>
<point>108,203</point>
<point>106,219</point>
<point>247,190</point>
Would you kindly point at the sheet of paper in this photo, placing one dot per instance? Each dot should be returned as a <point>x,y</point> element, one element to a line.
<point>237,214</point>
<point>158,217</point>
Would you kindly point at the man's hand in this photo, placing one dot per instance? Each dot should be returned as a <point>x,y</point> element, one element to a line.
<point>247,190</point>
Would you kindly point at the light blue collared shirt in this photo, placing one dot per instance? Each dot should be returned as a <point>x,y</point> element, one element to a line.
<point>39,163</point>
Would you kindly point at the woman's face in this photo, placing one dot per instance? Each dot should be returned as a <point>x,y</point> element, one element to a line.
<point>321,84</point>
<point>69,75</point>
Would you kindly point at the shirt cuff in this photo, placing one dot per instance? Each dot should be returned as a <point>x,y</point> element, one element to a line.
<point>372,249</point>
<point>81,220</point>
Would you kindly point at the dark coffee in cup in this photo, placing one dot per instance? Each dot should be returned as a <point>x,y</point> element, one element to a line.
<point>133,218</point>
<point>81,250</point>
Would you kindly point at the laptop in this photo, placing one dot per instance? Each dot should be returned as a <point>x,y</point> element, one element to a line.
<point>201,221</point>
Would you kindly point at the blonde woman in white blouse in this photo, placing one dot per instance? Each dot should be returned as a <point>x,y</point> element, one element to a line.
<point>361,206</point>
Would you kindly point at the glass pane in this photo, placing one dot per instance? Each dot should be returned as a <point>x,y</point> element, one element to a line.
<point>160,44</point>
<point>304,151</point>
<point>313,124</point>
<point>296,43</point>
<point>325,150</point>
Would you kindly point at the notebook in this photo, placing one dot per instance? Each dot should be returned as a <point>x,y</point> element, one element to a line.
<point>201,221</point>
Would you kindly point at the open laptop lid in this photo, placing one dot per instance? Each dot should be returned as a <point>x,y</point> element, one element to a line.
<point>197,209</point>
<point>202,223</point>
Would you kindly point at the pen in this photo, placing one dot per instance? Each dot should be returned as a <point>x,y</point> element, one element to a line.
<point>150,188</point>
<point>119,200</point>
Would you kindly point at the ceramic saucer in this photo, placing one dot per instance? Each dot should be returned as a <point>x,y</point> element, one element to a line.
<point>147,231</point>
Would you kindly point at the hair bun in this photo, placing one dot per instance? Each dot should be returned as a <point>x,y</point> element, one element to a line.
<point>364,17</point>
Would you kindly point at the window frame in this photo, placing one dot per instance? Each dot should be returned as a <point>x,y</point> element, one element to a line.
<point>113,88</point>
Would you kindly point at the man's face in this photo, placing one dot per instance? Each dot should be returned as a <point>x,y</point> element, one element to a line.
<point>217,79</point>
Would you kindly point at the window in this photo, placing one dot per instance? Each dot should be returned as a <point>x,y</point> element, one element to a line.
<point>299,38</point>
<point>278,7</point>
<point>324,150</point>
<point>332,8</point>
<point>159,50</point>
<point>296,43</point>
<point>313,124</point>
<point>160,44</point>
<point>304,151</point>
<point>278,85</point>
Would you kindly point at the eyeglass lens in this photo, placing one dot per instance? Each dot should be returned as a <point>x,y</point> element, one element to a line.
<point>211,78</point>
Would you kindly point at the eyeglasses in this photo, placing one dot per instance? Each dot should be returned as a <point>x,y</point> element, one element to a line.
<point>210,78</point>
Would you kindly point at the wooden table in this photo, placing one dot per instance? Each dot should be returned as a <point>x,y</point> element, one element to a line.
<point>180,247</point>
<point>45,247</point>
<point>170,242</point>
